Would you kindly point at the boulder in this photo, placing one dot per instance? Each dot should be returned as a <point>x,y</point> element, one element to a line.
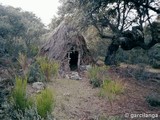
<point>75,76</point>
<point>88,67</point>
<point>38,86</point>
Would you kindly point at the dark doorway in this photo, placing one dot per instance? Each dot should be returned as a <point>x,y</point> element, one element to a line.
<point>73,63</point>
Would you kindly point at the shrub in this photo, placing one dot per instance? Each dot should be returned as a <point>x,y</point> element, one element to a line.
<point>111,88</point>
<point>55,68</point>
<point>153,99</point>
<point>45,102</point>
<point>28,114</point>
<point>19,97</point>
<point>32,50</point>
<point>35,74</point>
<point>97,75</point>
<point>115,87</point>
<point>22,59</point>
<point>48,67</point>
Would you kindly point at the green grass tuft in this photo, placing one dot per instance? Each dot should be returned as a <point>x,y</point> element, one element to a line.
<point>45,102</point>
<point>48,68</point>
<point>111,88</point>
<point>97,75</point>
<point>19,96</point>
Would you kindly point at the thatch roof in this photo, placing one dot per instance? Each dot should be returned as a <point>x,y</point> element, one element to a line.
<point>63,41</point>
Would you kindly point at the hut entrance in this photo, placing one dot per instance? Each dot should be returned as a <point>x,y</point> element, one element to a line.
<point>73,63</point>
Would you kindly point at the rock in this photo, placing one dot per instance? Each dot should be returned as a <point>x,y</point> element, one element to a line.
<point>100,63</point>
<point>88,67</point>
<point>38,86</point>
<point>75,76</point>
<point>66,94</point>
<point>83,67</point>
<point>67,76</point>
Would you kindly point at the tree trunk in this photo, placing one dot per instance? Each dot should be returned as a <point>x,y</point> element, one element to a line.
<point>125,44</point>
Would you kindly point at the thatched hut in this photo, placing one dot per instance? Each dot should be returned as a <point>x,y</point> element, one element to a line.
<point>67,46</point>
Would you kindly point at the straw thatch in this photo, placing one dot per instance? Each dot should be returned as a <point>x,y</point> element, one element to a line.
<point>64,43</point>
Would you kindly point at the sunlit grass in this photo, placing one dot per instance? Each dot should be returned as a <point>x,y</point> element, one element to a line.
<point>48,67</point>
<point>19,96</point>
<point>45,102</point>
<point>110,89</point>
<point>97,75</point>
<point>22,59</point>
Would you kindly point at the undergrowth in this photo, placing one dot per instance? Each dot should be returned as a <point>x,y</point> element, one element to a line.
<point>97,75</point>
<point>42,104</point>
<point>45,102</point>
<point>19,95</point>
<point>110,89</point>
<point>22,59</point>
<point>35,74</point>
<point>48,67</point>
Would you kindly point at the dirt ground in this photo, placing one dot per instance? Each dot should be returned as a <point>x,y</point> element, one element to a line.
<point>77,100</point>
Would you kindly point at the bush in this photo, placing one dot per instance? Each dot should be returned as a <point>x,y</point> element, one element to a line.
<point>45,102</point>
<point>35,74</point>
<point>22,108</point>
<point>22,59</point>
<point>97,75</point>
<point>48,67</point>
<point>111,88</point>
<point>19,96</point>
<point>28,114</point>
<point>32,50</point>
<point>153,99</point>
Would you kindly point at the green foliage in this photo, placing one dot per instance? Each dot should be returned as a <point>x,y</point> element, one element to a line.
<point>32,50</point>
<point>55,22</point>
<point>111,88</point>
<point>28,114</point>
<point>115,87</point>
<point>45,102</point>
<point>97,75</point>
<point>22,59</point>
<point>19,30</point>
<point>22,108</point>
<point>153,99</point>
<point>19,96</point>
<point>35,74</point>
<point>48,68</point>
<point>104,16</point>
<point>42,70</point>
<point>154,56</point>
<point>96,45</point>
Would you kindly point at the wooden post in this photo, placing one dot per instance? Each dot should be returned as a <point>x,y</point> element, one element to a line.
<point>79,59</point>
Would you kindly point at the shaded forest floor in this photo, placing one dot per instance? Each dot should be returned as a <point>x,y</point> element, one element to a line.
<point>78,100</point>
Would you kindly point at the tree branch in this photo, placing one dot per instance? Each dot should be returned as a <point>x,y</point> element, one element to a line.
<point>148,46</point>
<point>146,6</point>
